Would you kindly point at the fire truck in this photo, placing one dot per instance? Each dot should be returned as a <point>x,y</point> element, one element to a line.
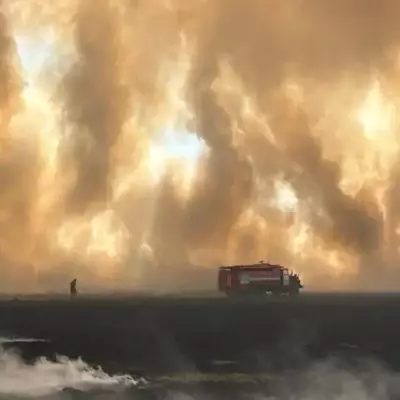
<point>258,279</point>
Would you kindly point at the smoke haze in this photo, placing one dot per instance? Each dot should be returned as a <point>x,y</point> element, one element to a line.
<point>293,105</point>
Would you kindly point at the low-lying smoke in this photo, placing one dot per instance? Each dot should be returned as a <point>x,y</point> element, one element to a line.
<point>47,380</point>
<point>294,108</point>
<point>65,378</point>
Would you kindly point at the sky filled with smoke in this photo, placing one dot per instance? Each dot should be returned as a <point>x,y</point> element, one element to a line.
<point>289,112</point>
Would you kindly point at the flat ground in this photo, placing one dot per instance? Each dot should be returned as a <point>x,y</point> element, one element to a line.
<point>174,334</point>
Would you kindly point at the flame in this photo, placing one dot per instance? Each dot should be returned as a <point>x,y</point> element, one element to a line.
<point>286,199</point>
<point>101,239</point>
<point>376,115</point>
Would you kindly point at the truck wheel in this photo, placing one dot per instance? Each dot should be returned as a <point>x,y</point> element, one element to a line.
<point>294,291</point>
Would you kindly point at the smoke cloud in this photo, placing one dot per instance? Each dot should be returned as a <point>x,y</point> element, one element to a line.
<point>290,109</point>
<point>47,379</point>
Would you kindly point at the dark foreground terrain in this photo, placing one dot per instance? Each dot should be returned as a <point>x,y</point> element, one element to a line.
<point>218,340</point>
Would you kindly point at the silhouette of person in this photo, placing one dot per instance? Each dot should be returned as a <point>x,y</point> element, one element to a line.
<point>72,288</point>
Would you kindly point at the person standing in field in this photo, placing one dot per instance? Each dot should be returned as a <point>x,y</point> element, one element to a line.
<point>72,289</point>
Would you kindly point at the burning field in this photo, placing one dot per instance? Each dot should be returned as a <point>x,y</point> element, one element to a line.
<point>146,142</point>
<point>334,347</point>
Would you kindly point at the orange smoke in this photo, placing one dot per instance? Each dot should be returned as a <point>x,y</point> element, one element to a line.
<point>145,143</point>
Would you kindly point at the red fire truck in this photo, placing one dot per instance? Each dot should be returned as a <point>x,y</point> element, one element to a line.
<point>262,278</point>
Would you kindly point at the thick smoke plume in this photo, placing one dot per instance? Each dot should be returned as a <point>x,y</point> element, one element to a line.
<point>96,102</point>
<point>293,105</point>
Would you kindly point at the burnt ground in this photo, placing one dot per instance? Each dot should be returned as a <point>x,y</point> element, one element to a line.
<point>171,335</point>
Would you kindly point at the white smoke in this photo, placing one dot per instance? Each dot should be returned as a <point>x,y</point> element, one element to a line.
<point>20,340</point>
<point>332,381</point>
<point>329,380</point>
<point>45,378</point>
